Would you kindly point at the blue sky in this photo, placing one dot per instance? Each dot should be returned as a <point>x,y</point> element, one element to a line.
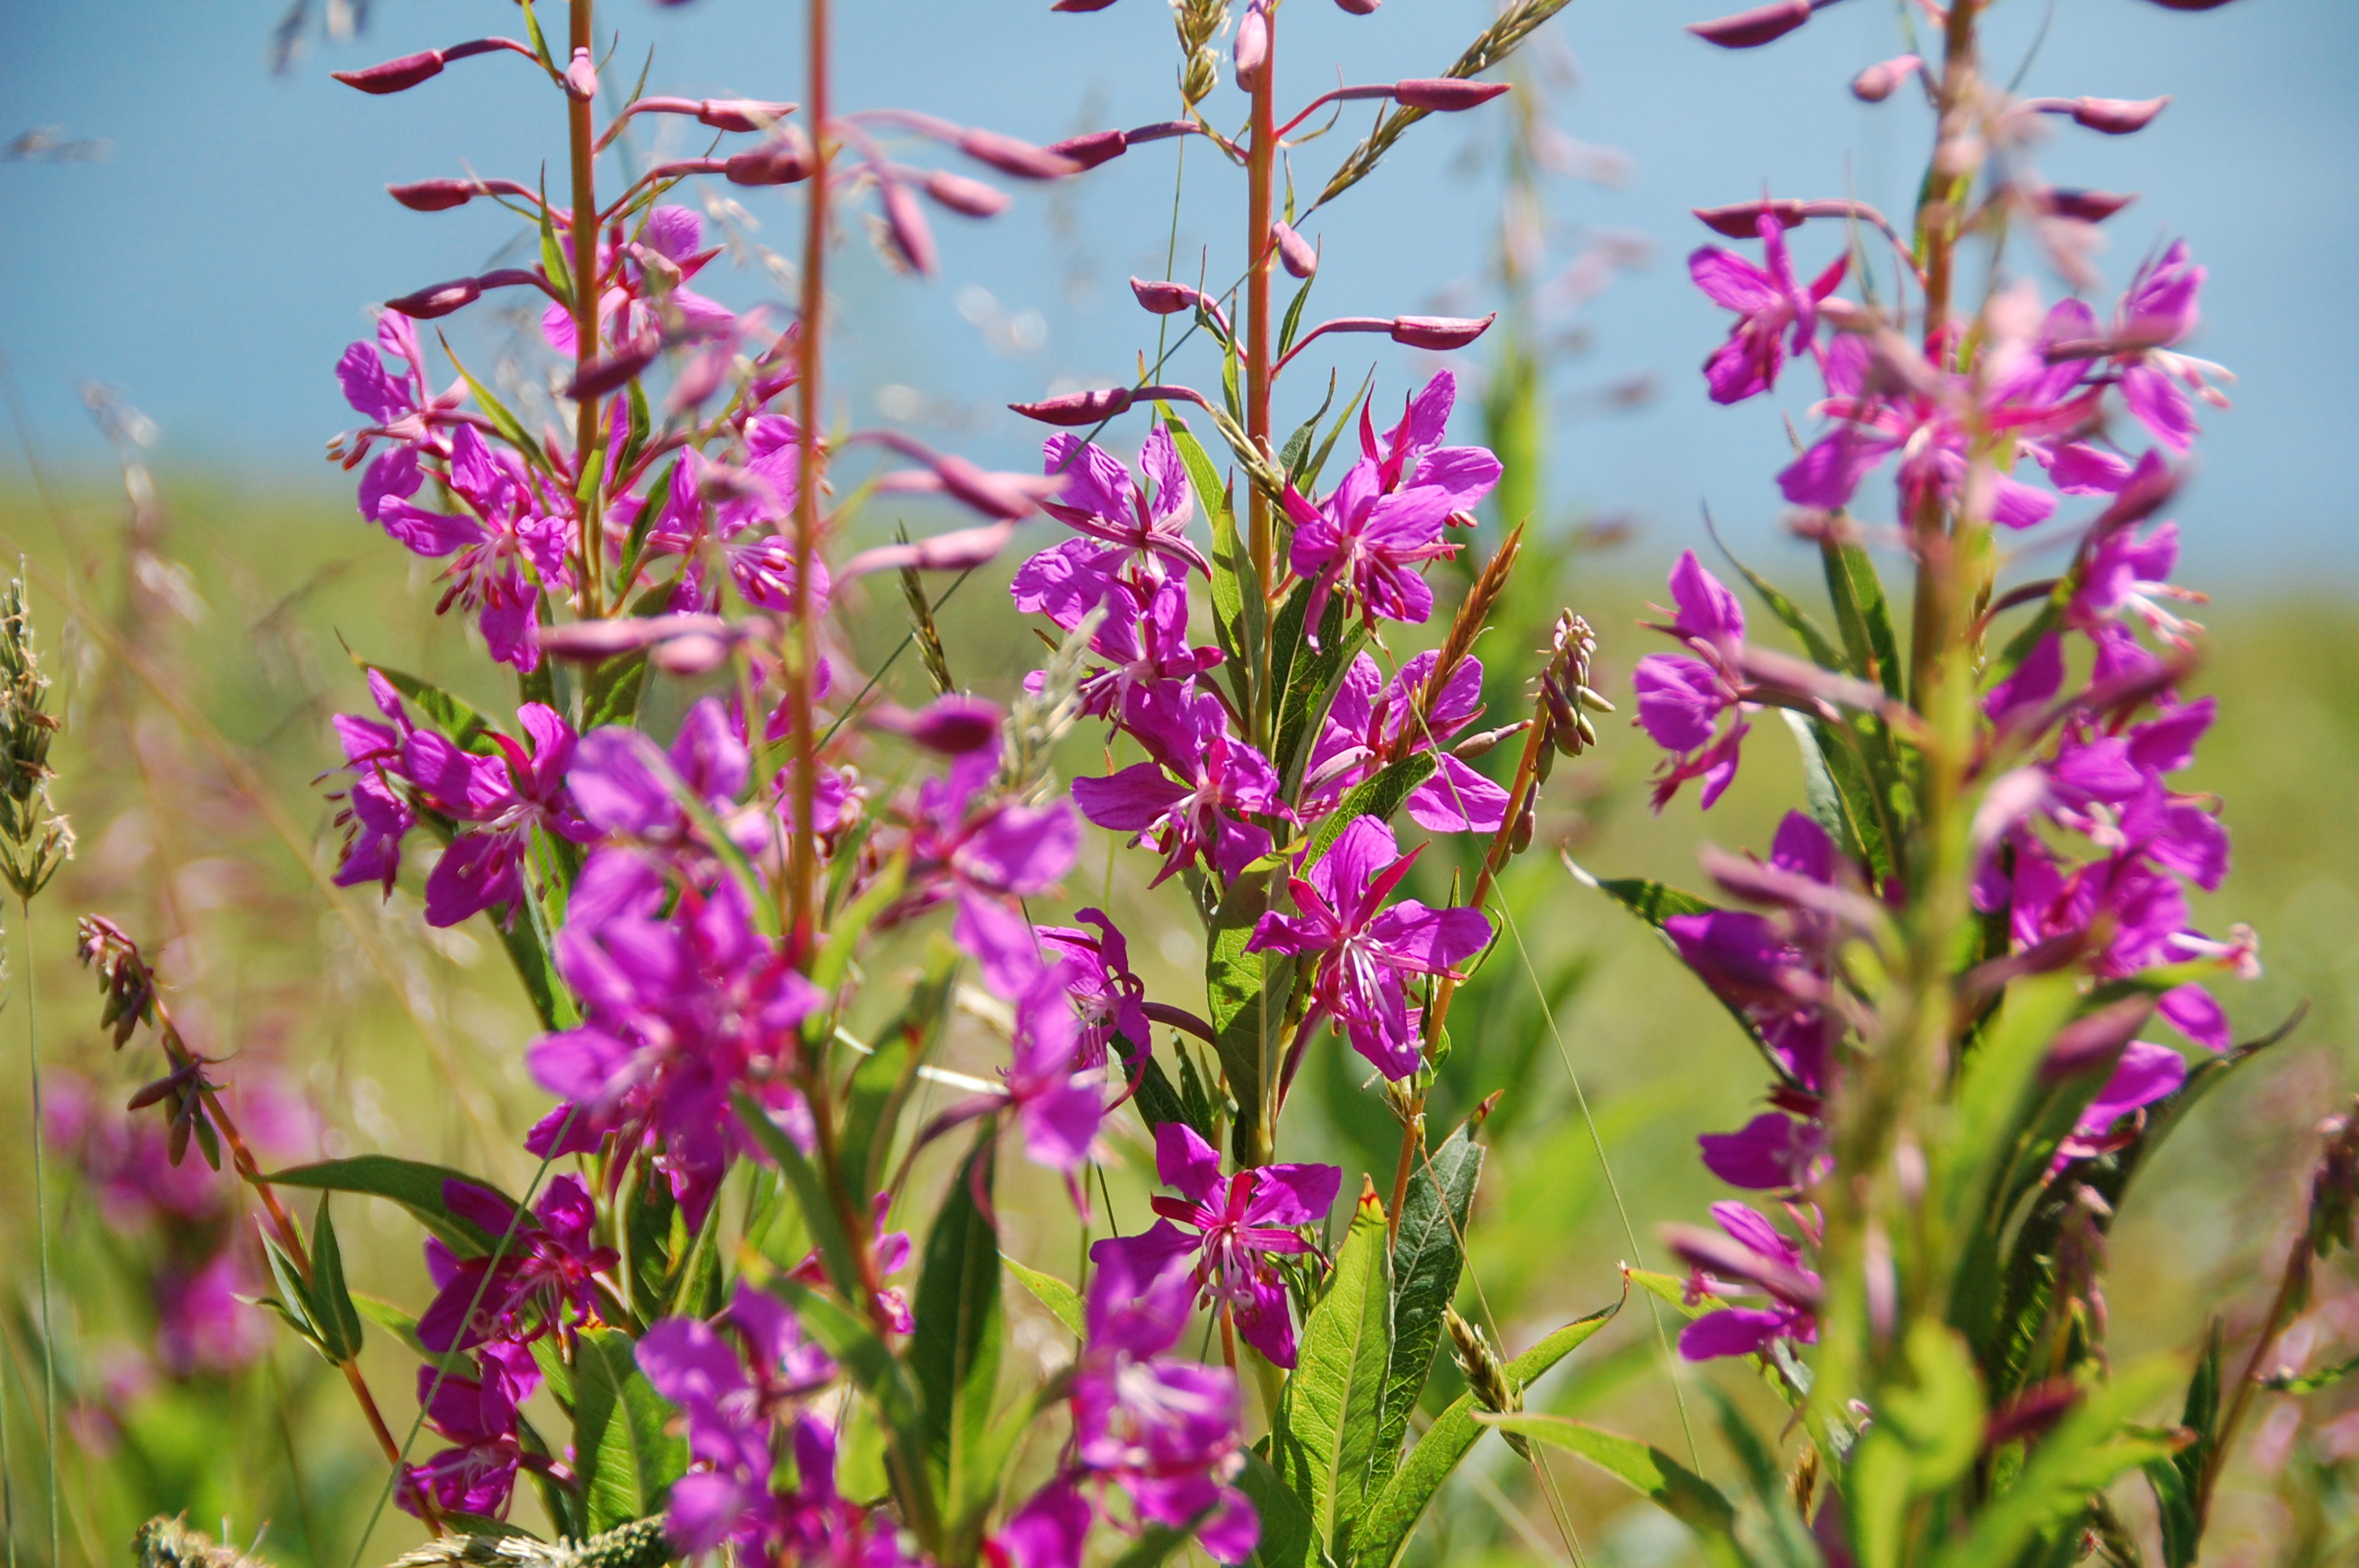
<point>213,267</point>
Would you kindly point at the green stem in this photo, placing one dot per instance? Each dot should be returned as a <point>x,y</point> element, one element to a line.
<point>41,1226</point>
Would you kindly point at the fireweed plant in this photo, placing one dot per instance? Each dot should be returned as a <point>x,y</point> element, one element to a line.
<point>704,1275</point>
<point>1945,961</point>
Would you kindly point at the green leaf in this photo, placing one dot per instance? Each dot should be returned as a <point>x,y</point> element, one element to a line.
<point>2179,1479</point>
<point>954,1355</point>
<point>1328,1419</point>
<point>850,926</point>
<point>1814,639</point>
<point>1924,1438</point>
<point>510,427</point>
<point>415,1186</point>
<point>1238,616</point>
<point>446,715</point>
<point>331,1307</point>
<point>627,1459</point>
<point>1063,1302</point>
<point>2088,1450</point>
<point>1342,422</point>
<point>1862,614</point>
<point>1655,903</point>
<point>558,265</point>
<point>642,425</point>
<point>881,1082</point>
<point>1429,1253</point>
<point>1307,676</point>
<point>1672,1486</point>
<point>1291,456</point>
<point>820,1216</point>
<point>1393,1513</point>
<point>1286,329</point>
<point>1248,994</point>
<point>293,1302</point>
<point>1378,797</point>
<point>611,688</point>
<point>1285,1532</point>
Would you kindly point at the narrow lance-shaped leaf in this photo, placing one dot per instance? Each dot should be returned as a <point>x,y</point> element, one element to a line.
<point>1328,1416</point>
<point>1429,1254</point>
<point>626,1456</point>
<point>954,1355</point>
<point>1393,1513</point>
<point>1672,1486</point>
<point>415,1186</point>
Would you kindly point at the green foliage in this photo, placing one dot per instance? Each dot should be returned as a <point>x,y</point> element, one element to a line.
<point>624,1448</point>
<point>1655,1475</point>
<point>415,1186</point>
<point>955,1354</point>
<point>1429,1254</point>
<point>1330,1418</point>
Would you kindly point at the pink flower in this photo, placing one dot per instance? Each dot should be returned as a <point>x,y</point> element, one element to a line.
<point>1770,308</point>
<point>1190,798</point>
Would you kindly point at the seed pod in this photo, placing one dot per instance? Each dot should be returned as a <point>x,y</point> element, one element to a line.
<point>1544,761</point>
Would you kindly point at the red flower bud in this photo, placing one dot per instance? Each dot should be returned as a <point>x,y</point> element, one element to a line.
<point>1090,150</point>
<point>1751,29</point>
<point>1076,408</point>
<point>1163,299</point>
<point>1359,7</point>
<point>1294,251</point>
<point>394,75</point>
<point>912,235</point>
<point>1741,220</point>
<point>1009,155</point>
<point>2190,5</point>
<point>960,194</point>
<point>434,195</point>
<point>605,372</point>
<point>2117,117</point>
<point>741,114</point>
<point>785,158</point>
<point>2088,206</point>
<point>1077,6</point>
<point>1879,81</point>
<point>1445,94</point>
<point>440,299</point>
<point>1440,332</point>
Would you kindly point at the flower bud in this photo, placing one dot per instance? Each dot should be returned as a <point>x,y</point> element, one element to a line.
<point>440,299</point>
<point>605,372</point>
<point>1163,299</point>
<point>433,195</point>
<point>960,194</point>
<point>394,75</point>
<point>1009,155</point>
<point>1252,48</point>
<point>1074,408</point>
<point>912,236</point>
<point>1092,149</point>
<point>1878,81</point>
<point>741,114</point>
<point>1526,821</point>
<point>2190,5</point>
<point>784,159</point>
<point>1741,220</point>
<point>1359,7</point>
<point>2088,206</point>
<point>1078,6</point>
<point>1751,29</point>
<point>1294,252</point>
<point>1439,332</point>
<point>1445,94</point>
<point>2117,117</point>
<point>951,725</point>
<point>582,76</point>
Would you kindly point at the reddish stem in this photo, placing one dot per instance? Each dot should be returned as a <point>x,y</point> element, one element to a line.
<point>803,854</point>
<point>584,236</point>
<point>1261,252</point>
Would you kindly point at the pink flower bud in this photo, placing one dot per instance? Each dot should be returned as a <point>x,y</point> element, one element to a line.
<point>1440,332</point>
<point>1359,7</point>
<point>1078,6</point>
<point>2190,5</point>
<point>954,551</point>
<point>1741,220</point>
<point>1252,48</point>
<point>605,372</point>
<point>912,235</point>
<point>741,114</point>
<point>2088,206</point>
<point>1878,81</point>
<point>394,75</point>
<point>2117,117</point>
<point>1163,299</point>
<point>951,725</point>
<point>784,159</point>
<point>1075,408</point>
<point>440,299</point>
<point>1009,155</point>
<point>1090,150</point>
<point>1294,251</point>
<point>1445,94</point>
<point>582,76</point>
<point>433,195</point>
<point>1751,29</point>
<point>960,194</point>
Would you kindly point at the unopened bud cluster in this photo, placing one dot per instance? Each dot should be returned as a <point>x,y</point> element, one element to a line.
<point>35,839</point>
